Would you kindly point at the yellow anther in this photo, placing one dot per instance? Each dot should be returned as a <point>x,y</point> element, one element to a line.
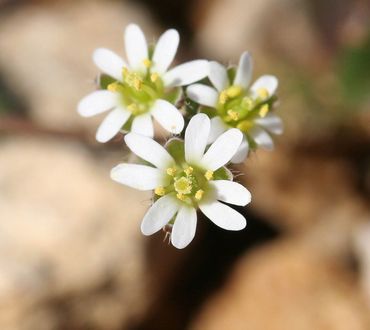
<point>223,97</point>
<point>233,115</point>
<point>147,62</point>
<point>132,79</point>
<point>160,191</point>
<point>125,72</point>
<point>183,185</point>
<point>263,93</point>
<point>233,91</point>
<point>264,110</point>
<point>245,125</point>
<point>188,170</point>
<point>180,196</point>
<point>137,83</point>
<point>113,87</point>
<point>154,77</point>
<point>247,102</point>
<point>171,171</point>
<point>208,175</point>
<point>199,194</point>
<point>134,108</point>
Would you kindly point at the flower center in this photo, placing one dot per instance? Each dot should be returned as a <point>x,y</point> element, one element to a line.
<point>138,91</point>
<point>238,108</point>
<point>188,183</point>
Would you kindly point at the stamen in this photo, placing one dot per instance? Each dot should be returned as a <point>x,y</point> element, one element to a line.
<point>147,62</point>
<point>113,87</point>
<point>223,97</point>
<point>134,108</point>
<point>199,194</point>
<point>245,125</point>
<point>125,71</point>
<point>171,171</point>
<point>263,93</point>
<point>247,102</point>
<point>180,196</point>
<point>154,77</point>
<point>160,191</point>
<point>233,115</point>
<point>208,175</point>
<point>132,79</point>
<point>188,170</point>
<point>137,83</point>
<point>233,91</point>
<point>264,110</point>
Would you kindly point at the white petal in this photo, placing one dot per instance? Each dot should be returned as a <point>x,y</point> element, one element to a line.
<point>109,62</point>
<point>97,102</point>
<point>272,123</point>
<point>160,213</point>
<point>231,192</point>
<point>136,47</point>
<point>184,228</point>
<point>222,150</point>
<point>223,215</point>
<point>165,51</point>
<point>203,94</point>
<point>136,176</point>
<point>186,74</point>
<point>149,150</point>
<point>262,138</point>
<point>244,72</point>
<point>218,76</point>
<point>168,116</point>
<point>112,124</point>
<point>218,127</point>
<point>196,137</point>
<point>242,152</point>
<point>268,82</point>
<point>143,125</point>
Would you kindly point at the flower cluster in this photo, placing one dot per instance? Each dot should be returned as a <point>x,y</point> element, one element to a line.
<point>226,119</point>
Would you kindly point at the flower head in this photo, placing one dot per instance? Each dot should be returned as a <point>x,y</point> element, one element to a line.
<point>185,176</point>
<point>234,104</point>
<point>141,88</point>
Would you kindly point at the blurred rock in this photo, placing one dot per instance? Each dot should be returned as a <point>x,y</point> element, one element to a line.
<point>71,253</point>
<point>289,284</point>
<point>227,28</point>
<point>45,53</point>
<point>296,191</point>
<point>362,248</point>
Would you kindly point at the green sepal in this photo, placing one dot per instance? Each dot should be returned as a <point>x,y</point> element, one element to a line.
<point>104,80</point>
<point>231,73</point>
<point>151,48</point>
<point>174,95</point>
<point>210,112</point>
<point>222,173</point>
<point>176,149</point>
<point>191,107</point>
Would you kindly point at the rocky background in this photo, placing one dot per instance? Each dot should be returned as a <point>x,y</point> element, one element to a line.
<point>71,253</point>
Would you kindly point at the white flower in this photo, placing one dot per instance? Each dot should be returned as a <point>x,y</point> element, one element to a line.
<point>142,88</point>
<point>185,177</point>
<point>235,104</point>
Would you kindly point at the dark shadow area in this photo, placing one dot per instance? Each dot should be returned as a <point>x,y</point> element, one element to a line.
<point>187,277</point>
